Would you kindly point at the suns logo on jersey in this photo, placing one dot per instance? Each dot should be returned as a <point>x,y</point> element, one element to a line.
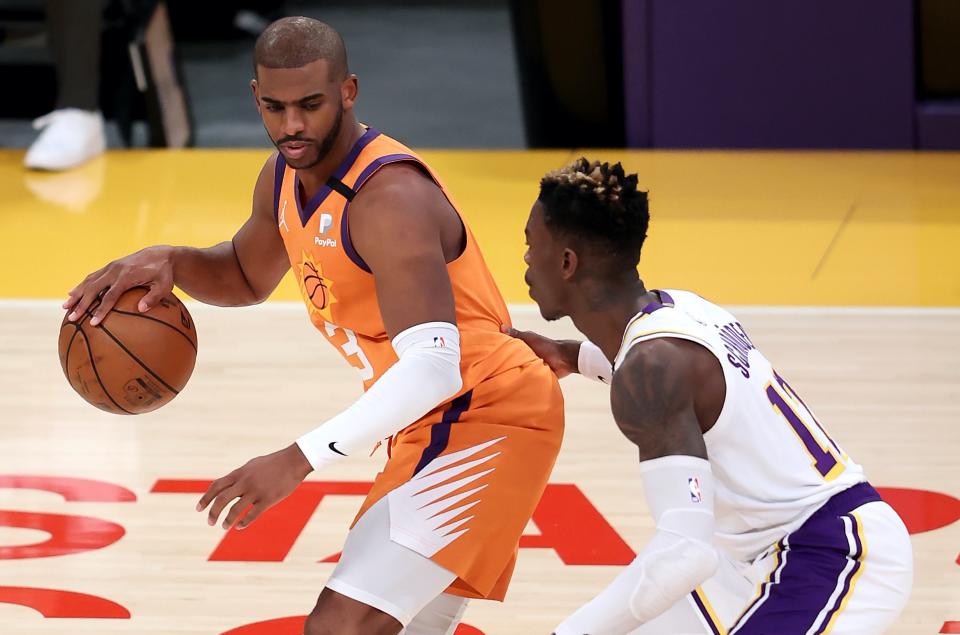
<point>315,288</point>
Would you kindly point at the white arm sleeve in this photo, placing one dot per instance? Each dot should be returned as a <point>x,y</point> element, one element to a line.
<point>678,558</point>
<point>426,375</point>
<point>592,363</point>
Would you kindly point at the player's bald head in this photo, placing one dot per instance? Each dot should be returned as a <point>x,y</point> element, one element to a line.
<point>296,41</point>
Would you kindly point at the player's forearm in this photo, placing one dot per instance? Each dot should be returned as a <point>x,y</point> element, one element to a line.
<point>679,557</point>
<point>212,275</point>
<point>426,374</point>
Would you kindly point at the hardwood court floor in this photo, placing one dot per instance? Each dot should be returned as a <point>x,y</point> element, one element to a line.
<point>113,497</point>
<point>883,382</point>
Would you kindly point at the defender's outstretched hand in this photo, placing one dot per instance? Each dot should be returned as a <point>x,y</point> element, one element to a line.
<point>260,484</point>
<point>560,355</point>
<point>150,267</point>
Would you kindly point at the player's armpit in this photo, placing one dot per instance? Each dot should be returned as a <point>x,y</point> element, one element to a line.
<point>653,400</point>
<point>398,223</point>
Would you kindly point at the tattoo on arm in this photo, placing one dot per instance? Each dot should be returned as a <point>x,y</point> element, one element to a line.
<point>652,398</point>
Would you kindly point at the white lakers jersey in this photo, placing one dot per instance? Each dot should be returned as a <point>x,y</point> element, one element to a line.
<point>773,463</point>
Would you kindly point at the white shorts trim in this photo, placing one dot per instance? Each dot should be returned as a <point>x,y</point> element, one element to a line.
<point>380,572</point>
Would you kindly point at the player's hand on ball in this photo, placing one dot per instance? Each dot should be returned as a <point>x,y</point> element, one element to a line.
<point>260,484</point>
<point>559,355</point>
<point>150,267</point>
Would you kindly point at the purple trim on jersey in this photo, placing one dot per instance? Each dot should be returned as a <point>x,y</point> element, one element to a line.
<point>318,198</point>
<point>376,165</point>
<point>714,628</point>
<point>655,305</point>
<point>773,578</point>
<point>816,561</point>
<point>440,432</point>
<point>278,171</point>
<point>851,575</point>
<point>348,247</point>
<point>345,240</point>
<point>847,501</point>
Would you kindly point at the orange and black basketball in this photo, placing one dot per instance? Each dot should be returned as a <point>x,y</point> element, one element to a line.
<point>131,362</point>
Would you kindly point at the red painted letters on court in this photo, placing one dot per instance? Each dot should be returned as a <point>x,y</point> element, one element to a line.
<point>922,510</point>
<point>575,529</point>
<point>568,522</point>
<point>68,533</point>
<point>272,536</point>
<point>62,604</point>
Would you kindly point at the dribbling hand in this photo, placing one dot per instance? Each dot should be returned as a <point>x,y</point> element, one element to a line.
<point>259,484</point>
<point>150,267</point>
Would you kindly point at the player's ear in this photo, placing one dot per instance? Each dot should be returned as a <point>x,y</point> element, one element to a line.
<point>348,91</point>
<point>569,264</point>
<point>256,93</point>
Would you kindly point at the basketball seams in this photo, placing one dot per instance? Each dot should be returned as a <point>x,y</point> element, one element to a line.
<point>66,354</point>
<point>87,314</point>
<point>93,365</point>
<point>137,359</point>
<point>171,352</point>
<point>158,321</point>
<point>65,360</point>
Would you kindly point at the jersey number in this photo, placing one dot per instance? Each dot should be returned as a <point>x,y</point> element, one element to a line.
<point>351,350</point>
<point>792,408</point>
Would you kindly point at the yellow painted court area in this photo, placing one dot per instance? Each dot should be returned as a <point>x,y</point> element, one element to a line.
<point>770,228</point>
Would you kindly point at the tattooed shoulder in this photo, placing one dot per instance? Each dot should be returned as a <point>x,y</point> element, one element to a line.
<point>652,398</point>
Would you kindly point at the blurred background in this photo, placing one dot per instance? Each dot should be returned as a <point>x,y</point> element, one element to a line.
<point>803,164</point>
<point>826,130</point>
<point>535,73</point>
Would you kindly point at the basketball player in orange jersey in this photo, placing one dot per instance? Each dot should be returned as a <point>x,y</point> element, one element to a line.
<point>764,525</point>
<point>393,278</point>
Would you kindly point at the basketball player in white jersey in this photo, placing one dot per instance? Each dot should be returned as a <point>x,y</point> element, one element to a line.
<point>764,525</point>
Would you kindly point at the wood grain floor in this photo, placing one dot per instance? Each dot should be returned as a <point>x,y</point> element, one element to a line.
<point>884,382</point>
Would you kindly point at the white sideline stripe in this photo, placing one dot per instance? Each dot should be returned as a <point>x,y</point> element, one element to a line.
<point>531,309</point>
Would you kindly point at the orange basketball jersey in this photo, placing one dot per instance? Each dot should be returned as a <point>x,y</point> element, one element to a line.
<point>507,419</point>
<point>338,288</point>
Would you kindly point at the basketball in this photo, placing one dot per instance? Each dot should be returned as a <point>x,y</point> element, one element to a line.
<point>131,362</point>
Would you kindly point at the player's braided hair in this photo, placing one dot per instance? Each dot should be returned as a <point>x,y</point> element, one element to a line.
<point>599,202</point>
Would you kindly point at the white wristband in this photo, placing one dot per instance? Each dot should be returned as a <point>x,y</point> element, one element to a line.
<point>592,363</point>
